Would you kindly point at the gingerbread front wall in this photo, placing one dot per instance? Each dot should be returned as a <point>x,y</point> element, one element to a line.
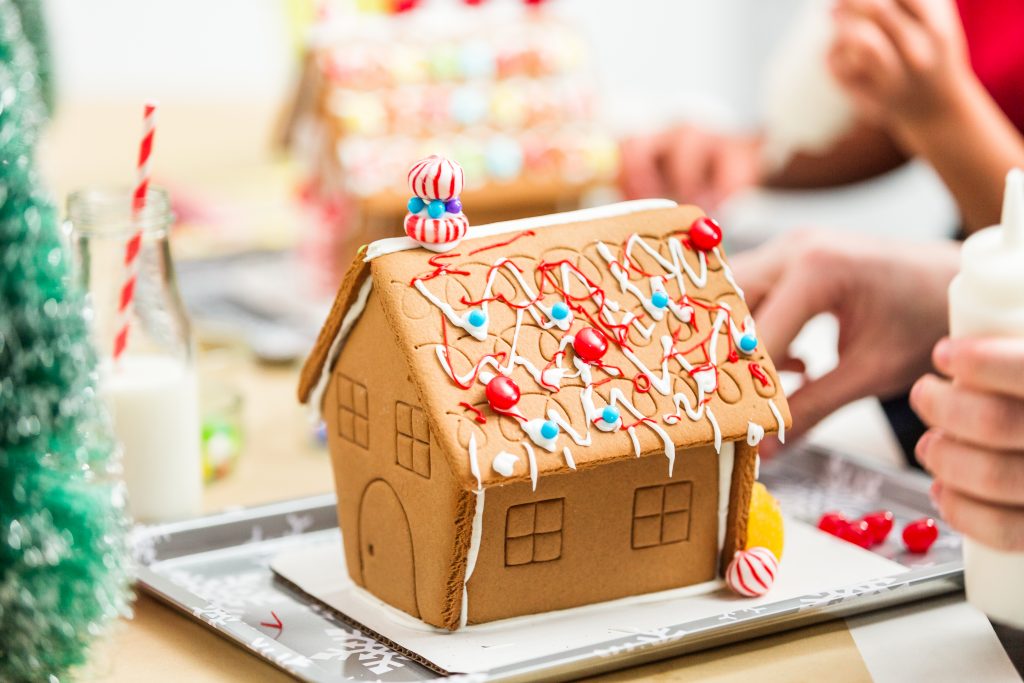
<point>620,529</point>
<point>397,498</point>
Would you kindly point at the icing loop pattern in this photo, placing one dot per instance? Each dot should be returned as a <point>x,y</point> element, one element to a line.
<point>561,300</point>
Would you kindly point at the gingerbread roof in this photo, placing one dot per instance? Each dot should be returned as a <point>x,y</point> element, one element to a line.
<point>678,371</point>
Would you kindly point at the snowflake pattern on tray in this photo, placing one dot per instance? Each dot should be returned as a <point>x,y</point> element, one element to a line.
<point>641,640</point>
<point>860,590</point>
<point>371,654</point>
<point>234,593</point>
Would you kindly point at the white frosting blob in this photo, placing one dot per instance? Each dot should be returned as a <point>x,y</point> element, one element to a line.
<point>504,463</point>
<point>755,433</point>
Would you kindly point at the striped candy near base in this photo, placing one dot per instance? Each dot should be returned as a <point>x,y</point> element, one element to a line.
<point>451,227</point>
<point>752,572</point>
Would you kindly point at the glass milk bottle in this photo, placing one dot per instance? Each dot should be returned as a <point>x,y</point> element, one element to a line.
<point>152,388</point>
<point>987,300</point>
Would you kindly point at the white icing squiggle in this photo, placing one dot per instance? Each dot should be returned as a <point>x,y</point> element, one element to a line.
<point>504,463</point>
<point>474,464</point>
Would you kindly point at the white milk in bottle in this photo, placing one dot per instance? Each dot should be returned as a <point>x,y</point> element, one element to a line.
<point>154,404</point>
<point>987,300</point>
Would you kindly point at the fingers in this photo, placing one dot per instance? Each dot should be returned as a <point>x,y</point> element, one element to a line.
<point>757,270</point>
<point>900,26</point>
<point>800,293</point>
<point>686,163</point>
<point>638,169</point>
<point>993,476</point>
<point>968,415</point>
<point>732,167</point>
<point>985,364</point>
<point>996,526</point>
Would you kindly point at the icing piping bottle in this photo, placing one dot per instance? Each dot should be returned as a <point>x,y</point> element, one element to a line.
<point>987,300</point>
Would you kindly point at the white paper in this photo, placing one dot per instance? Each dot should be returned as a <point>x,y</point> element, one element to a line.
<point>813,562</point>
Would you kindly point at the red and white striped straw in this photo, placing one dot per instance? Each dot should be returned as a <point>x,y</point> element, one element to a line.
<point>131,250</point>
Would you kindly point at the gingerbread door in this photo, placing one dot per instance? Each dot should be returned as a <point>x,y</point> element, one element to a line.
<point>385,547</point>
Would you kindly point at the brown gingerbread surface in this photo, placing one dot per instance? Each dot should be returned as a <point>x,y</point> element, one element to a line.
<point>607,271</point>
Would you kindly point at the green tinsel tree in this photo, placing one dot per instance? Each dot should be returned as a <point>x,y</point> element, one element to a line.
<point>63,565</point>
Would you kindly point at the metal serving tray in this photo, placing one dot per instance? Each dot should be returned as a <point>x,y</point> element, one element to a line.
<point>216,569</point>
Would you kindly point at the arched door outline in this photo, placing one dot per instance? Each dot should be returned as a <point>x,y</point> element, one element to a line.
<point>386,557</point>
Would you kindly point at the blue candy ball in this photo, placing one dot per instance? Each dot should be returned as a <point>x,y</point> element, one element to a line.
<point>415,204</point>
<point>610,414</point>
<point>453,205</point>
<point>435,208</point>
<point>659,299</point>
<point>477,317</point>
<point>549,429</point>
<point>559,311</point>
<point>748,343</point>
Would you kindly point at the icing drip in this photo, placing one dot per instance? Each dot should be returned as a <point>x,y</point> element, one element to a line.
<point>474,464</point>
<point>476,536</point>
<point>568,458</point>
<point>755,433</point>
<point>532,458</point>
<point>779,420</point>
<point>726,458</point>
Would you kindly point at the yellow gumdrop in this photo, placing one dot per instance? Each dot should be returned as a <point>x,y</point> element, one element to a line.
<point>765,526</point>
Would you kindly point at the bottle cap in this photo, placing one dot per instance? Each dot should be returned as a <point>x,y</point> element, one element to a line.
<point>992,260</point>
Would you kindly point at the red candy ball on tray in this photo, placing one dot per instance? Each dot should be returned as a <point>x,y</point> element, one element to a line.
<point>502,392</point>
<point>919,535</point>
<point>590,344</point>
<point>833,522</point>
<point>858,533</point>
<point>879,524</point>
<point>705,234</point>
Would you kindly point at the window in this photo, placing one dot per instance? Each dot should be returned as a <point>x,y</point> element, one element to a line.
<point>412,439</point>
<point>352,411</point>
<point>533,532</point>
<point>661,514</point>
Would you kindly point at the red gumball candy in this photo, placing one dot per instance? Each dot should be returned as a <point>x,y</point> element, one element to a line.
<point>590,344</point>
<point>502,392</point>
<point>833,522</point>
<point>879,524</point>
<point>857,533</point>
<point>705,233</point>
<point>919,535</point>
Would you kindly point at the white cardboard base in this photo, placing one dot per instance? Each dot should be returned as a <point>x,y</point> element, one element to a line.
<point>814,562</point>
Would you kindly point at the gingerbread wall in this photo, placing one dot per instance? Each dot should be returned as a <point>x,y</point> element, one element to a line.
<point>619,529</point>
<point>397,498</point>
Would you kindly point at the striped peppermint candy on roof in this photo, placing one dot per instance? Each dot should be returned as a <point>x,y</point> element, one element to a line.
<point>752,572</point>
<point>436,178</point>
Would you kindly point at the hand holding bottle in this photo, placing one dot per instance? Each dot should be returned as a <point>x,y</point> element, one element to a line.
<point>975,449</point>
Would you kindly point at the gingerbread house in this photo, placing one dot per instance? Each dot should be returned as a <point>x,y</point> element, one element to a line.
<point>563,410</point>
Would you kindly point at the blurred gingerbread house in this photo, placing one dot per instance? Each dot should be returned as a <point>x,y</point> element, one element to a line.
<point>504,87</point>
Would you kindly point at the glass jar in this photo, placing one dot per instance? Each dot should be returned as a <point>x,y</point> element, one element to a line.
<point>151,389</point>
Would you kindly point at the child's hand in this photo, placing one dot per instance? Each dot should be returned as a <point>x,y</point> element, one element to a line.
<point>690,164</point>
<point>975,449</point>
<point>902,61</point>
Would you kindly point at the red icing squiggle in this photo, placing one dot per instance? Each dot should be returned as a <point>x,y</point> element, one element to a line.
<point>525,233</point>
<point>477,414</point>
<point>757,372</point>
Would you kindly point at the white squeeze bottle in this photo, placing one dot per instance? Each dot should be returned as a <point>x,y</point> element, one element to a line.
<point>987,300</point>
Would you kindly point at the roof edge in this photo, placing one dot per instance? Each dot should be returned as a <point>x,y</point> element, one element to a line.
<point>390,245</point>
<point>343,315</point>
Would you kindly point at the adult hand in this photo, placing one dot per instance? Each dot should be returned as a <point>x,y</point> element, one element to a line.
<point>689,164</point>
<point>889,298</point>
<point>975,447</point>
<point>901,61</point>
